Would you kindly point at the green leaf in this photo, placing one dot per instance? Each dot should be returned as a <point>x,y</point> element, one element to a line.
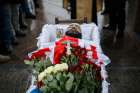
<point>65,42</point>
<point>64,75</point>
<point>71,77</point>
<point>44,89</point>
<point>49,77</point>
<point>48,62</point>
<point>68,85</point>
<point>27,62</point>
<point>53,84</point>
<point>58,76</point>
<point>45,82</point>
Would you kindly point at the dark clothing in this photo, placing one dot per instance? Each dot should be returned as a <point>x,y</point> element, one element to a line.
<point>36,3</point>
<point>74,34</point>
<point>94,12</point>
<point>117,14</point>
<point>14,1</point>
<point>73,8</point>
<point>116,5</point>
<point>5,29</point>
<point>24,8</point>
<point>106,2</point>
<point>2,2</point>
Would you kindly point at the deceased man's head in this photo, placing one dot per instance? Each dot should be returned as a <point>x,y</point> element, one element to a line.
<point>74,30</point>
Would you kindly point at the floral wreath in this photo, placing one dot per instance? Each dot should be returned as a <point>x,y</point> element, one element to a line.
<point>71,63</point>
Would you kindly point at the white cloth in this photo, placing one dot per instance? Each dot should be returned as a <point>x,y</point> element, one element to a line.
<point>89,32</point>
<point>104,75</point>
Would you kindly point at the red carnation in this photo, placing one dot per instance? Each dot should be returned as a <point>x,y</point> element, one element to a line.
<point>94,55</point>
<point>40,53</point>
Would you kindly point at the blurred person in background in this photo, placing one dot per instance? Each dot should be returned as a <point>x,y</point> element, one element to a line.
<point>117,17</point>
<point>106,7</point>
<point>25,9</point>
<point>36,3</point>
<point>14,12</point>
<point>5,31</point>
<point>6,34</point>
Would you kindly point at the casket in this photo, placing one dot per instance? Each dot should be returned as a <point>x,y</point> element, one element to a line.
<point>51,36</point>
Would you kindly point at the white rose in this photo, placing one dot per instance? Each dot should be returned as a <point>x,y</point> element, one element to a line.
<point>60,67</point>
<point>41,76</point>
<point>49,70</point>
<point>57,68</point>
<point>64,66</point>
